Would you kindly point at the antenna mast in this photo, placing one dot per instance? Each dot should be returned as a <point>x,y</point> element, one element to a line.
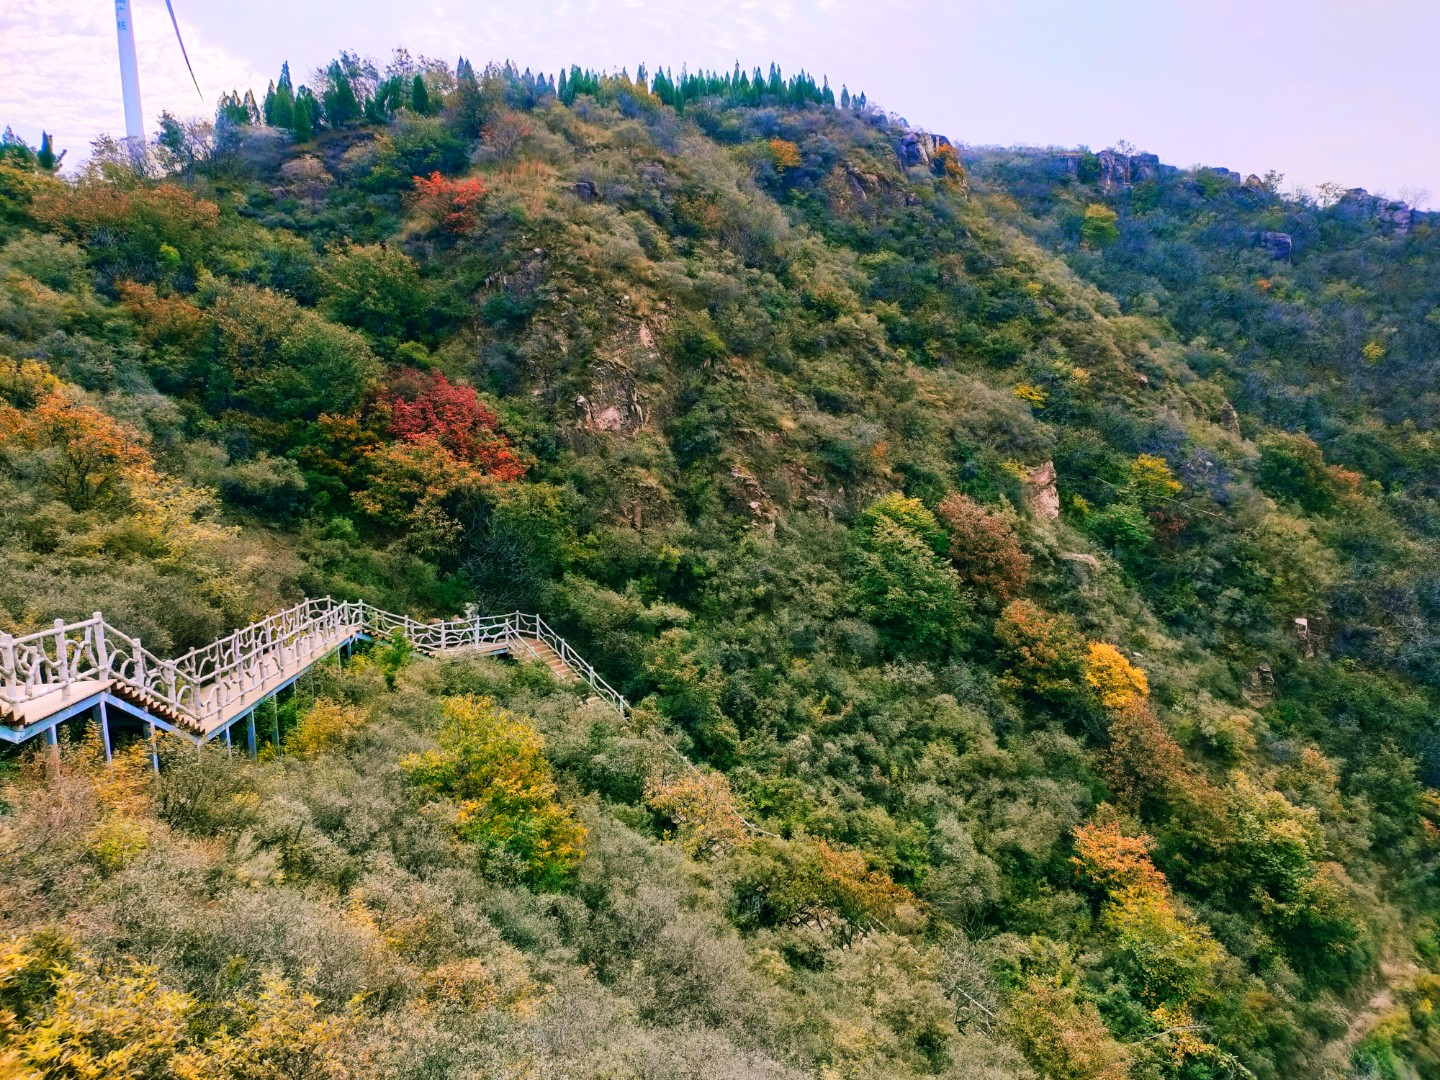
<point>129,77</point>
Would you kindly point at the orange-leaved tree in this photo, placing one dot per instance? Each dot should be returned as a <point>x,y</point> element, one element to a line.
<point>1046,652</point>
<point>704,810</point>
<point>784,154</point>
<point>1169,957</point>
<point>82,453</point>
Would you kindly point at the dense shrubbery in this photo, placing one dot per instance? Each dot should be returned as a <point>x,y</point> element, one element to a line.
<point>919,779</point>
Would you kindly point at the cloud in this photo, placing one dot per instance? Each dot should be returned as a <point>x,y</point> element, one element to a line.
<point>61,68</point>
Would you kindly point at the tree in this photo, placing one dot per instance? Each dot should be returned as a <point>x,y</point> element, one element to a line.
<point>419,96</point>
<point>307,112</point>
<point>491,767</point>
<point>905,589</point>
<point>910,514</point>
<point>126,228</point>
<point>703,809</point>
<point>375,288</point>
<point>1099,226</point>
<point>452,206</point>
<point>281,106</point>
<point>810,882</point>
<point>983,548</point>
<point>784,155</point>
<point>82,453</point>
<point>280,361</point>
<point>1292,467</point>
<point>426,405</point>
<point>1115,682</point>
<point>1169,955</point>
<point>341,105</point>
<point>45,157</point>
<point>1046,652</point>
<point>1151,482</point>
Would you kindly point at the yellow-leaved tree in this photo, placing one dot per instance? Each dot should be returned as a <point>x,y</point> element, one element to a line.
<point>1114,680</point>
<point>491,765</point>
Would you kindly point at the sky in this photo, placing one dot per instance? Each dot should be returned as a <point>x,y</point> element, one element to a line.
<point>1338,91</point>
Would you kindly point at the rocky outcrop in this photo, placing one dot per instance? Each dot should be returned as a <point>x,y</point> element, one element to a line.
<point>1042,495</point>
<point>1144,167</point>
<point>919,148</point>
<point>1119,170</point>
<point>1229,419</point>
<point>1111,169</point>
<point>747,496</point>
<point>1278,245</point>
<point>1391,215</point>
<point>585,191</point>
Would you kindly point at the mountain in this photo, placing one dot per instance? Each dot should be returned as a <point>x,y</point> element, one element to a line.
<point>1021,565</point>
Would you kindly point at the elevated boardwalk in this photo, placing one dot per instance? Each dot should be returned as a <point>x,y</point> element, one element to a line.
<point>50,676</point>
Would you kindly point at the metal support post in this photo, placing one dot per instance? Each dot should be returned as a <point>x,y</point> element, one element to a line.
<point>105,731</point>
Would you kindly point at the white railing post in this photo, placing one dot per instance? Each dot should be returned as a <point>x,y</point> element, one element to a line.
<point>102,654</point>
<point>62,651</point>
<point>7,661</point>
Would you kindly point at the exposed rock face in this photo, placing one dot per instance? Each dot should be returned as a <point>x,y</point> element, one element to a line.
<point>748,492</point>
<point>1229,418</point>
<point>1041,493</point>
<point>1260,688</point>
<point>1114,170</point>
<point>1144,167</point>
<point>1065,165</point>
<point>1391,215</point>
<point>601,417</point>
<point>919,147</point>
<point>585,191</point>
<point>1117,170</point>
<point>1278,245</point>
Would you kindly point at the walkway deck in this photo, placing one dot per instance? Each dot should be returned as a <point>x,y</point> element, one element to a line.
<point>47,677</point>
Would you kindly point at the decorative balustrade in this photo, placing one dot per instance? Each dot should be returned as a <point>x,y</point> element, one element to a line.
<point>206,685</point>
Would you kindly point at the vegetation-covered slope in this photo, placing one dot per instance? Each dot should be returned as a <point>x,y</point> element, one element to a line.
<point>949,541</point>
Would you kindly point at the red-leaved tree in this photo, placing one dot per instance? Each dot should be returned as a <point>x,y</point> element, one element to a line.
<point>452,206</point>
<point>429,406</point>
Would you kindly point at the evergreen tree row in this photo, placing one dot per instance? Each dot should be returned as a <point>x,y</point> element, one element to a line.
<point>350,92</point>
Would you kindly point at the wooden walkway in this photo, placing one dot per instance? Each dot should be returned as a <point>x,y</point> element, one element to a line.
<point>52,675</point>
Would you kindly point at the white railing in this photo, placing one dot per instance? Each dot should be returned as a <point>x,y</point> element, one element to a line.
<point>203,686</point>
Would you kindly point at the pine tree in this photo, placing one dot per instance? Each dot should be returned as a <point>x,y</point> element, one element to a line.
<point>844,96</point>
<point>304,115</point>
<point>45,157</point>
<point>419,96</point>
<point>341,107</point>
<point>282,110</point>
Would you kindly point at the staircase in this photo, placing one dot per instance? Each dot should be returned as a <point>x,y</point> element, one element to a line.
<point>49,676</point>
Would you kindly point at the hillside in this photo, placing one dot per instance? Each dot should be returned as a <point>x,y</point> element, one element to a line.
<point>1023,575</point>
